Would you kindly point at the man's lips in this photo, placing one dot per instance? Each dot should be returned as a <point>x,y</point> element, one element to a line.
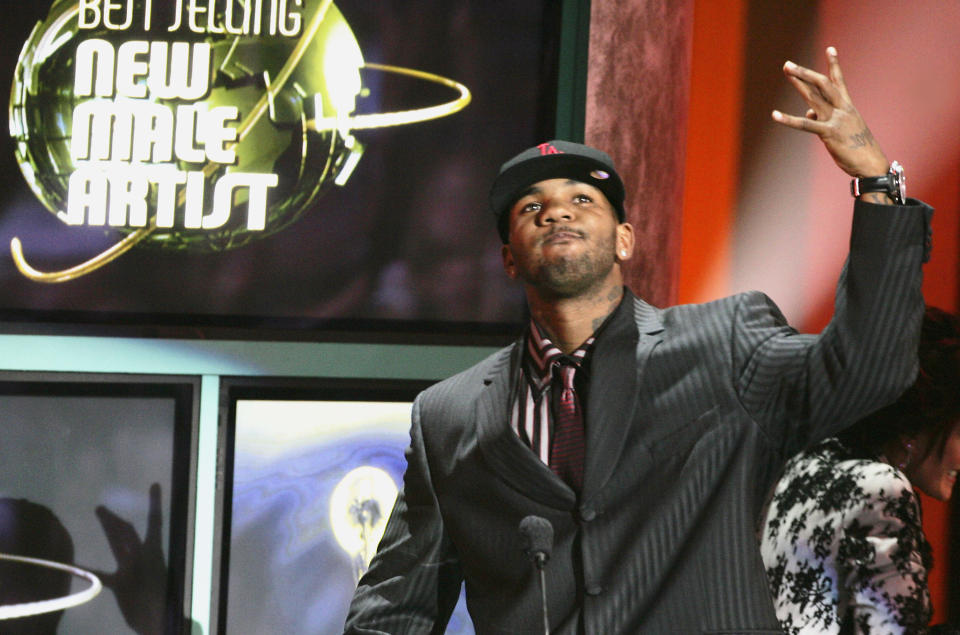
<point>562,235</point>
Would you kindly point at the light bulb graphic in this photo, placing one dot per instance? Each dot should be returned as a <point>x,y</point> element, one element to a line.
<point>359,508</point>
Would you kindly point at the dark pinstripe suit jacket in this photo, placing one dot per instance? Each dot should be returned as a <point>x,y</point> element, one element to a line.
<point>689,420</point>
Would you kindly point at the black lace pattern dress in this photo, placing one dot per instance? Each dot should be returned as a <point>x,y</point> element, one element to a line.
<point>843,546</point>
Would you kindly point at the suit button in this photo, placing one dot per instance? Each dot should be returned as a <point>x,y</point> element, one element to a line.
<point>587,514</point>
<point>594,589</point>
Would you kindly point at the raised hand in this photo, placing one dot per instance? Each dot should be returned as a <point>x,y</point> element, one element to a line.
<point>832,117</point>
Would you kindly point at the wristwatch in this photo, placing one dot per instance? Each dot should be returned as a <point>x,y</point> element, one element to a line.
<point>893,183</point>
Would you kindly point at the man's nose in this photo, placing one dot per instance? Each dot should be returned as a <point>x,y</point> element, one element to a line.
<point>556,211</point>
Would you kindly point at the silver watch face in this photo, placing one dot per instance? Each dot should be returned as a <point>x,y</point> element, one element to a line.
<point>899,185</point>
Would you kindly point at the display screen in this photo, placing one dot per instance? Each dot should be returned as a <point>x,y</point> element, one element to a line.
<point>94,475</point>
<point>297,164</point>
<point>312,483</point>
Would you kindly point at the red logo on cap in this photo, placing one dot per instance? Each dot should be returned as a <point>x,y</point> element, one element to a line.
<point>546,148</point>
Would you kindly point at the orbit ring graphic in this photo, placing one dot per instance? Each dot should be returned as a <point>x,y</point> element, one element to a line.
<point>26,609</point>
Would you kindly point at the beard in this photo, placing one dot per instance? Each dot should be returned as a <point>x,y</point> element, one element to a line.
<point>567,275</point>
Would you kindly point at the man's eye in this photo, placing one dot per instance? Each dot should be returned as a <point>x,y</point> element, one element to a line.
<point>582,198</point>
<point>531,207</point>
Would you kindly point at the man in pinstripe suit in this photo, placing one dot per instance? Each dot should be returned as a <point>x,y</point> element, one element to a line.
<point>682,417</point>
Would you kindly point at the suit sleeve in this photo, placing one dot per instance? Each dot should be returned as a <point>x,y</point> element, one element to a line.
<point>414,580</point>
<point>803,388</point>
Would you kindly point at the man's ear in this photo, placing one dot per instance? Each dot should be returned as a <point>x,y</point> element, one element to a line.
<point>508,263</point>
<point>625,241</point>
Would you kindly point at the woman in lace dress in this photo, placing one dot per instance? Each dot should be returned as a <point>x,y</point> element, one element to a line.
<point>843,545</point>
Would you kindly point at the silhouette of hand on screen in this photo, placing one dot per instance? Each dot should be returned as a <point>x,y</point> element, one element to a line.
<point>140,581</point>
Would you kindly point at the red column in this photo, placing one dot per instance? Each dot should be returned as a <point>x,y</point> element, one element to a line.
<point>637,96</point>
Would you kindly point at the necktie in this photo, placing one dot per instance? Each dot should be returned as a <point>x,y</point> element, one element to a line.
<point>566,453</point>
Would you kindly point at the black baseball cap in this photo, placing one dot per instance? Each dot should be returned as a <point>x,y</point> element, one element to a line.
<point>553,160</point>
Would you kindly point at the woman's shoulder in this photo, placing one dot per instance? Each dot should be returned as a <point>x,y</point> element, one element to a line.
<point>872,474</point>
<point>835,480</point>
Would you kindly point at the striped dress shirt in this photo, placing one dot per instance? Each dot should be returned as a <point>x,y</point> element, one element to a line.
<point>532,414</point>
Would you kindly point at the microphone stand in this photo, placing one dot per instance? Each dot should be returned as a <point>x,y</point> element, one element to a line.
<point>540,560</point>
<point>536,535</point>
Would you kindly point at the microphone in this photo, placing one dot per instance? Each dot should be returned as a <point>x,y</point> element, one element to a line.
<point>536,541</point>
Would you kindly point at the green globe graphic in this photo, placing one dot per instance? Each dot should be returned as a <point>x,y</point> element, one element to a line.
<point>295,98</point>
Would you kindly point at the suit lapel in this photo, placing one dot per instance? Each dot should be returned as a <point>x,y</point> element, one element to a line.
<point>501,447</point>
<point>622,354</point>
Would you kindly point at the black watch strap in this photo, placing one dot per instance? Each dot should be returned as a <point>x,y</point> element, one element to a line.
<point>892,183</point>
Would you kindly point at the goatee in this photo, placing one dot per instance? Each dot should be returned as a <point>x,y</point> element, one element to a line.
<point>568,276</point>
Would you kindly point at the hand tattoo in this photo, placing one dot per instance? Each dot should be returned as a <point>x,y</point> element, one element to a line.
<point>862,138</point>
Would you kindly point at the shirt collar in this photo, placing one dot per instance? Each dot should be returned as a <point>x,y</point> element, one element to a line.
<point>541,352</point>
